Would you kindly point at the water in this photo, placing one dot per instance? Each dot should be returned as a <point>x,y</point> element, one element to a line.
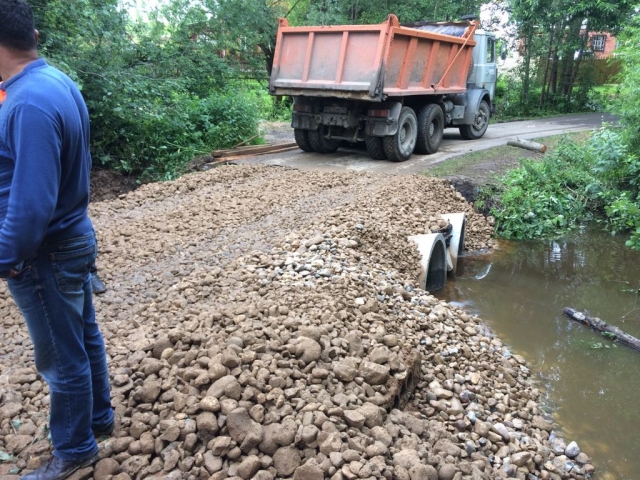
<point>592,385</point>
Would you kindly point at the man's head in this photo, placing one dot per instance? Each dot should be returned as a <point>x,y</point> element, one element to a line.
<point>18,27</point>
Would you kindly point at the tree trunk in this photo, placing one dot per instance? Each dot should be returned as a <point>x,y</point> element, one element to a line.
<point>569,53</point>
<point>609,331</point>
<point>547,65</point>
<point>576,68</point>
<point>533,146</point>
<point>524,99</point>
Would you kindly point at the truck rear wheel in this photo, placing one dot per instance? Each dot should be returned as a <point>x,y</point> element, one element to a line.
<point>375,147</point>
<point>319,143</point>
<point>476,131</point>
<point>400,146</point>
<point>430,129</point>
<point>302,139</point>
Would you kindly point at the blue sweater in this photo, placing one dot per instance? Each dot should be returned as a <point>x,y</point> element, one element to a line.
<point>44,163</point>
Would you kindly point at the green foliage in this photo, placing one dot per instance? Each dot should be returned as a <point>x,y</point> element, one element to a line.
<point>335,12</point>
<point>553,38</point>
<point>596,179</point>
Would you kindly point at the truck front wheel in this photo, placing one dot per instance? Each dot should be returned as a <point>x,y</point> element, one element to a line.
<point>302,139</point>
<point>476,131</point>
<point>430,129</point>
<point>400,146</point>
<point>319,143</point>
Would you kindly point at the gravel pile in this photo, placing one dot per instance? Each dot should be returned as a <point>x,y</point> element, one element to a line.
<point>265,323</point>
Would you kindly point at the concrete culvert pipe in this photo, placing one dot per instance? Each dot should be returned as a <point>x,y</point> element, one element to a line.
<point>456,245</point>
<point>433,264</point>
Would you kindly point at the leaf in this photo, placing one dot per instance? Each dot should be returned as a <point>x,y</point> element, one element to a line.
<point>5,457</point>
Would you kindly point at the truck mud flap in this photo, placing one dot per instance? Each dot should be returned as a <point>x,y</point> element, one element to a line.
<point>382,126</point>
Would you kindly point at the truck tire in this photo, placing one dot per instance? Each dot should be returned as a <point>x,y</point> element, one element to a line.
<point>319,143</point>
<point>375,147</point>
<point>430,129</point>
<point>302,139</point>
<point>476,131</point>
<point>400,146</point>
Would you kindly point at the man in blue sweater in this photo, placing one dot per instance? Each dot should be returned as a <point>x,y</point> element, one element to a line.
<point>47,244</point>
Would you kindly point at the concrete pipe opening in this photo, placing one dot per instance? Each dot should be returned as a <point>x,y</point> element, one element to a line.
<point>433,264</point>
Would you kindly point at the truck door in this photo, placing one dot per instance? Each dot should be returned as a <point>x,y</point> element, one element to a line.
<point>484,72</point>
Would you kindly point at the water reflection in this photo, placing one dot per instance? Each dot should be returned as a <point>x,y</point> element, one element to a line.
<point>593,386</point>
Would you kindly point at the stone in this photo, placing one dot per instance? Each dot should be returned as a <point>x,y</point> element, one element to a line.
<point>354,419</point>
<point>374,415</point>
<point>344,372</point>
<point>520,459</point>
<point>447,472</point>
<point>572,450</point>
<point>308,350</point>
<point>249,467</point>
<point>308,471</point>
<point>105,468</point>
<point>286,460</point>
<point>374,374</point>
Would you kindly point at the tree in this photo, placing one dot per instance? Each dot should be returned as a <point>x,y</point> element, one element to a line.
<point>557,32</point>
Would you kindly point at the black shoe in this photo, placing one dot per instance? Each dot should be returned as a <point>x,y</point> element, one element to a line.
<point>57,469</point>
<point>105,431</point>
<point>96,284</point>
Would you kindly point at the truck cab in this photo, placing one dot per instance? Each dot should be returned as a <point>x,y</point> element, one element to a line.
<point>484,72</point>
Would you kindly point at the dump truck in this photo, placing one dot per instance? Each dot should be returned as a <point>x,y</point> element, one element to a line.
<point>394,87</point>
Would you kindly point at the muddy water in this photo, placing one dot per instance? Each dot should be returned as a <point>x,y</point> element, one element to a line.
<point>593,385</point>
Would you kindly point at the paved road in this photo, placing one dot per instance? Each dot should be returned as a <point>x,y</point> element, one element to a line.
<point>452,145</point>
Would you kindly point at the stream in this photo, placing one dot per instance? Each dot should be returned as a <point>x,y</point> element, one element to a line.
<point>592,385</point>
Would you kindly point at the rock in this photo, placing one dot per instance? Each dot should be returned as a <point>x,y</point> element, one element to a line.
<point>447,472</point>
<point>344,372</point>
<point>249,467</point>
<point>17,443</point>
<point>542,423</point>
<point>308,350</point>
<point>286,460</point>
<point>374,415</point>
<point>379,355</point>
<point>572,450</point>
<point>212,462</point>
<point>207,425</point>
<point>308,471</point>
<point>520,459</point>
<point>210,404</point>
<point>407,459</point>
<point>374,374</point>
<point>10,410</point>
<point>354,419</point>
<point>149,392</point>
<point>105,468</point>
<point>501,430</point>
<point>222,385</point>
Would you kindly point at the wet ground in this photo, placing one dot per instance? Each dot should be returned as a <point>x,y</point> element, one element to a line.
<point>592,384</point>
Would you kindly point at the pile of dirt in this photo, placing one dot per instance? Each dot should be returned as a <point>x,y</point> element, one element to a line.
<point>109,185</point>
<point>265,323</point>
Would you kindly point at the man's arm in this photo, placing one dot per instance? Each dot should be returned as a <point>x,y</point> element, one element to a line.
<point>34,139</point>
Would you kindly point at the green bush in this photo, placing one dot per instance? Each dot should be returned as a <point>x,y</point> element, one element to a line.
<point>597,179</point>
<point>152,129</point>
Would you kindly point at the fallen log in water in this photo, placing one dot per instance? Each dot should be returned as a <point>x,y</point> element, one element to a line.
<point>609,331</point>
<point>534,146</point>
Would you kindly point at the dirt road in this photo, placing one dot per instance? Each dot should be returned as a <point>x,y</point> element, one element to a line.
<point>452,145</point>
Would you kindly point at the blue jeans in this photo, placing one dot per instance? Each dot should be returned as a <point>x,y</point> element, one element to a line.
<point>53,292</point>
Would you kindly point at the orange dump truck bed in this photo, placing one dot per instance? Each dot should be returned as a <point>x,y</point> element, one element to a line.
<point>369,62</point>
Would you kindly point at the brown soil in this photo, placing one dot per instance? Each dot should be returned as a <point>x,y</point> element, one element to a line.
<point>109,185</point>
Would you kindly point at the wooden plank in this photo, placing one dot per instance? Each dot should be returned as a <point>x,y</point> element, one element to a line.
<point>253,149</point>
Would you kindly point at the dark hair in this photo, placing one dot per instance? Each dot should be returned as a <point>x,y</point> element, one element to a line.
<point>18,25</point>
